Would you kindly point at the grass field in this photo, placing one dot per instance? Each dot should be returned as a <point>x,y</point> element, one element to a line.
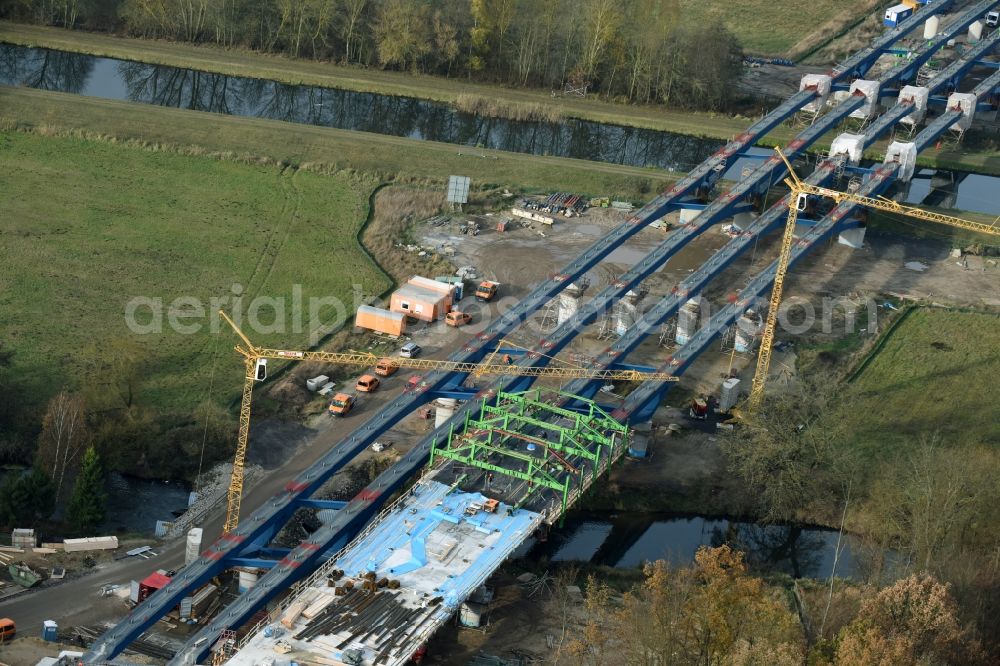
<point>388,156</point>
<point>532,172</point>
<point>931,375</point>
<point>779,28</point>
<point>87,225</point>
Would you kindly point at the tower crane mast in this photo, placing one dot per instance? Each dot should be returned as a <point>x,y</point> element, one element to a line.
<point>800,190</point>
<point>255,362</point>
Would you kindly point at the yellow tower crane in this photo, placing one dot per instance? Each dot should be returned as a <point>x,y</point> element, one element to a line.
<point>797,202</point>
<point>255,365</point>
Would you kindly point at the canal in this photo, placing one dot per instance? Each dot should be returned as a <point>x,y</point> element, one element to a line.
<point>110,78</point>
<point>627,540</point>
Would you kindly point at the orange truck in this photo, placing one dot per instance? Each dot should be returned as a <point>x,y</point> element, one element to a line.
<point>385,367</point>
<point>342,404</point>
<point>456,318</point>
<point>7,629</point>
<point>367,384</point>
<point>487,290</point>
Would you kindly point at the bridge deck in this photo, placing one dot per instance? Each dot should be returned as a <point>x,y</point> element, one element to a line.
<point>438,544</point>
<point>257,529</point>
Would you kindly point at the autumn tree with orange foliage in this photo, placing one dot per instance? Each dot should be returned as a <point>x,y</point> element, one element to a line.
<point>712,612</point>
<point>913,621</point>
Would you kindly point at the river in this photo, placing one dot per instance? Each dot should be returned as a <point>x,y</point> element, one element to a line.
<point>134,504</point>
<point>110,78</point>
<point>628,540</point>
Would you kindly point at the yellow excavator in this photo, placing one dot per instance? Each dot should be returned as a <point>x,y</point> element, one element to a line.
<point>255,363</point>
<point>796,203</point>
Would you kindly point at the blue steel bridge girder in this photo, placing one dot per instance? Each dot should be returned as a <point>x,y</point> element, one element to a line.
<point>959,24</point>
<point>766,174</point>
<point>644,400</point>
<point>252,562</point>
<point>692,285</point>
<point>320,504</point>
<point>456,393</point>
<point>656,209</point>
<point>264,522</point>
<point>858,65</point>
<point>952,74</point>
<point>767,222</point>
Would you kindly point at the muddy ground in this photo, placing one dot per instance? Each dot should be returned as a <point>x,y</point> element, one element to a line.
<point>686,470</point>
<point>777,82</point>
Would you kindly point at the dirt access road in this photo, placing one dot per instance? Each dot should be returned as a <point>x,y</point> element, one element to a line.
<point>76,601</point>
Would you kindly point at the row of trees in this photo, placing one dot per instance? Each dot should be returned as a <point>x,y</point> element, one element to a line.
<point>715,612</point>
<point>932,506</point>
<point>67,472</point>
<point>29,500</point>
<point>635,50</point>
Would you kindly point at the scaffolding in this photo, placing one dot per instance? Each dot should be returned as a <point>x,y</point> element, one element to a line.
<point>541,444</point>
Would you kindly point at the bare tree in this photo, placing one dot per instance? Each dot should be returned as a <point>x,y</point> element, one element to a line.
<point>601,22</point>
<point>63,440</point>
<point>353,16</point>
<point>928,501</point>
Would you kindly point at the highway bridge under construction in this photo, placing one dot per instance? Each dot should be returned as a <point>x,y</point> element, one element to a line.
<point>373,583</point>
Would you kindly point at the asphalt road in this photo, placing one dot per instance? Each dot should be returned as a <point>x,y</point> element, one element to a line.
<point>76,601</point>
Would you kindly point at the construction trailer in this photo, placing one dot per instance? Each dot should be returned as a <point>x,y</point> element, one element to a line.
<point>151,583</point>
<point>380,321</point>
<point>457,283</point>
<point>444,288</point>
<point>897,14</point>
<point>423,299</point>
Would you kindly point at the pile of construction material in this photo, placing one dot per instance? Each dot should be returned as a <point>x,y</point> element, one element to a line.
<point>369,611</point>
<point>90,543</point>
<point>559,203</point>
<point>212,489</point>
<point>86,635</point>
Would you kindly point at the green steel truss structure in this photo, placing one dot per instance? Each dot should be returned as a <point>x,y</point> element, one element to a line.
<point>548,447</point>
